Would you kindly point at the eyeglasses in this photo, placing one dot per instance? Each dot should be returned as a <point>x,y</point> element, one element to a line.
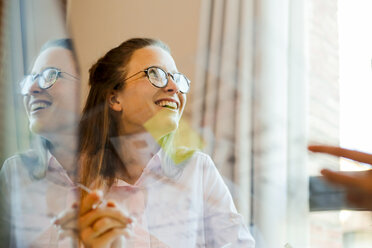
<point>45,79</point>
<point>159,78</point>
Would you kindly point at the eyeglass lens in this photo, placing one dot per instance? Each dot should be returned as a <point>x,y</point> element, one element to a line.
<point>45,80</point>
<point>48,78</point>
<point>159,78</point>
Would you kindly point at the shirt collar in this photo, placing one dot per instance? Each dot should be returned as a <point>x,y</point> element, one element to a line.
<point>56,173</point>
<point>153,166</point>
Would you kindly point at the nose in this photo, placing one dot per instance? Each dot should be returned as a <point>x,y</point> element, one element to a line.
<point>172,85</point>
<point>31,86</point>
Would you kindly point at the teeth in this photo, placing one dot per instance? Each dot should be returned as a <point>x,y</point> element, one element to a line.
<point>169,104</point>
<point>39,105</point>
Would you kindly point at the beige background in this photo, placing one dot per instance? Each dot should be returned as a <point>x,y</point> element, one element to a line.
<point>97,26</point>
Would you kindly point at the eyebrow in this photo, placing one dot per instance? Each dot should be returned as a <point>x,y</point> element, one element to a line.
<point>161,68</point>
<point>44,68</point>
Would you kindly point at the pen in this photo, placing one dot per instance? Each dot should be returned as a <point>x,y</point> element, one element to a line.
<point>88,190</point>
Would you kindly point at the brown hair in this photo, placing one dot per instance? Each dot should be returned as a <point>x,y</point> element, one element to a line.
<point>99,161</point>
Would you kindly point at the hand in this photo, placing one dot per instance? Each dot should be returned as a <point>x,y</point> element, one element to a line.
<point>101,226</point>
<point>67,222</point>
<point>358,184</point>
<point>98,226</point>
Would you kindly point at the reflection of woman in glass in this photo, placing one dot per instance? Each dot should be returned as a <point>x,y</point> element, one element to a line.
<point>175,196</point>
<point>37,185</point>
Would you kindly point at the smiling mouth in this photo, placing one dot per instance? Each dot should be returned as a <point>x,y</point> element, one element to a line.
<point>39,106</point>
<point>167,104</point>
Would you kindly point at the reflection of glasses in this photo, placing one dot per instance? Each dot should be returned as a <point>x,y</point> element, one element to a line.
<point>159,78</point>
<point>45,79</point>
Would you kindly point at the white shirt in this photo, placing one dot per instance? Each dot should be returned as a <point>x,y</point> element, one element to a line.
<point>32,204</point>
<point>195,209</point>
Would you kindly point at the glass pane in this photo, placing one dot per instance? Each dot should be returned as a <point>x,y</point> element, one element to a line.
<point>347,228</point>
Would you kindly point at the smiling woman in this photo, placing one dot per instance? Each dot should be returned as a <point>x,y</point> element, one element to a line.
<point>44,102</point>
<point>135,103</point>
<point>31,181</point>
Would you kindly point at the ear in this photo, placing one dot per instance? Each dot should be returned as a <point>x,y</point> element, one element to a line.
<point>114,102</point>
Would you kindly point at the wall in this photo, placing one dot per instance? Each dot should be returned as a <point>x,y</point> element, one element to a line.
<point>98,26</point>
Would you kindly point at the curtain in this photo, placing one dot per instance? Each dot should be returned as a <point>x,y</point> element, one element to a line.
<point>221,96</point>
<point>250,106</point>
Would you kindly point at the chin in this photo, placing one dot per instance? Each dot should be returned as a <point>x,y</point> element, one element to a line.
<point>43,129</point>
<point>170,125</point>
<point>162,124</point>
<point>37,127</point>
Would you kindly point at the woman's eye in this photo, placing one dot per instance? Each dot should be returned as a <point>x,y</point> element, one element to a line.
<point>154,74</point>
<point>177,77</point>
<point>50,75</point>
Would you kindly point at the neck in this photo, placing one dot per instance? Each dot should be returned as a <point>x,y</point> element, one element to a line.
<point>64,149</point>
<point>135,150</point>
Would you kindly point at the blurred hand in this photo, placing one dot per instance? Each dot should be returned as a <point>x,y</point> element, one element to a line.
<point>67,222</point>
<point>98,226</point>
<point>358,184</point>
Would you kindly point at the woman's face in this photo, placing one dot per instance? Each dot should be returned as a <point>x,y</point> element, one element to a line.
<point>141,104</point>
<point>53,110</point>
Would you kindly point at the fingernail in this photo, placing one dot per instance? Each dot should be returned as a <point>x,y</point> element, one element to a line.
<point>54,221</point>
<point>132,220</point>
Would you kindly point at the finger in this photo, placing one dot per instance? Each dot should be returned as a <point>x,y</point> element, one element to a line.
<point>366,202</point>
<point>111,204</point>
<point>359,200</point>
<point>340,178</point>
<point>342,152</point>
<point>112,212</point>
<point>88,236</point>
<point>111,236</point>
<point>119,242</point>
<point>73,224</point>
<point>67,233</point>
<point>104,224</point>
<point>90,200</point>
<point>66,217</point>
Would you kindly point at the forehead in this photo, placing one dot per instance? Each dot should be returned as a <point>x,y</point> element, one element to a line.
<point>55,57</point>
<point>151,56</point>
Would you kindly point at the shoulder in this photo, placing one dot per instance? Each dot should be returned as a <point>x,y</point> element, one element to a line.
<point>201,163</point>
<point>202,160</point>
<point>13,163</point>
<point>196,155</point>
<point>23,164</point>
<point>185,157</point>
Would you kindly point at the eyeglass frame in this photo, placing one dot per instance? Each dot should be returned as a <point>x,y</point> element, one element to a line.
<point>38,75</point>
<point>168,74</point>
